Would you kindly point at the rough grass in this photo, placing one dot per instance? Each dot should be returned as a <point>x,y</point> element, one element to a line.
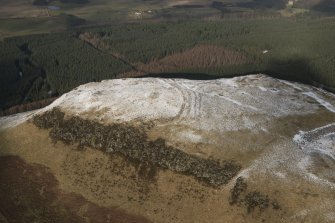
<point>250,200</point>
<point>31,193</point>
<point>133,143</point>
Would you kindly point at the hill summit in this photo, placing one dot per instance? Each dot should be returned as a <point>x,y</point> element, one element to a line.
<point>245,149</point>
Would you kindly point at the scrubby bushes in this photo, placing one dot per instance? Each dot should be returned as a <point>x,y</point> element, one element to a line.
<point>250,200</point>
<point>133,143</point>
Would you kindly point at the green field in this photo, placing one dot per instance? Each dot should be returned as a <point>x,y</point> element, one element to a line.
<point>24,17</point>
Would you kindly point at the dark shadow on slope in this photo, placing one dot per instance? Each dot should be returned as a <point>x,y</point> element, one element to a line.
<point>31,193</point>
<point>263,4</point>
<point>325,6</point>
<point>22,81</point>
<point>298,70</point>
<point>292,70</point>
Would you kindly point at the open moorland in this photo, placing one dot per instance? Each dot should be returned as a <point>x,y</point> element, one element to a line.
<point>145,111</point>
<point>246,149</point>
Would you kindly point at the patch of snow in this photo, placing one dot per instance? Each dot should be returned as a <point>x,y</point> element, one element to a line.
<point>15,120</point>
<point>294,85</point>
<point>319,140</point>
<point>298,137</point>
<point>199,109</point>
<point>280,175</point>
<point>231,82</point>
<point>317,94</point>
<point>239,103</point>
<point>262,88</point>
<point>227,104</point>
<point>190,136</point>
<point>123,100</point>
<point>274,90</point>
<point>323,102</point>
<point>324,92</point>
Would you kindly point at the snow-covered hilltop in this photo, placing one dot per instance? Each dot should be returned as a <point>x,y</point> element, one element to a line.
<point>223,104</point>
<point>213,105</point>
<point>281,133</point>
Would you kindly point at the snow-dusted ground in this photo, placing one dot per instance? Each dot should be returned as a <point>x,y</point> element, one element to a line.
<point>321,140</point>
<point>318,142</point>
<point>15,120</point>
<point>200,115</point>
<point>201,108</point>
<point>220,105</point>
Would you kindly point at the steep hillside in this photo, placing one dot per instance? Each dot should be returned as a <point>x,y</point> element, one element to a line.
<point>245,149</point>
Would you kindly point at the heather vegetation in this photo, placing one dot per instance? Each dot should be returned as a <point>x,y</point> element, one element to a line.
<point>239,195</point>
<point>132,143</point>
